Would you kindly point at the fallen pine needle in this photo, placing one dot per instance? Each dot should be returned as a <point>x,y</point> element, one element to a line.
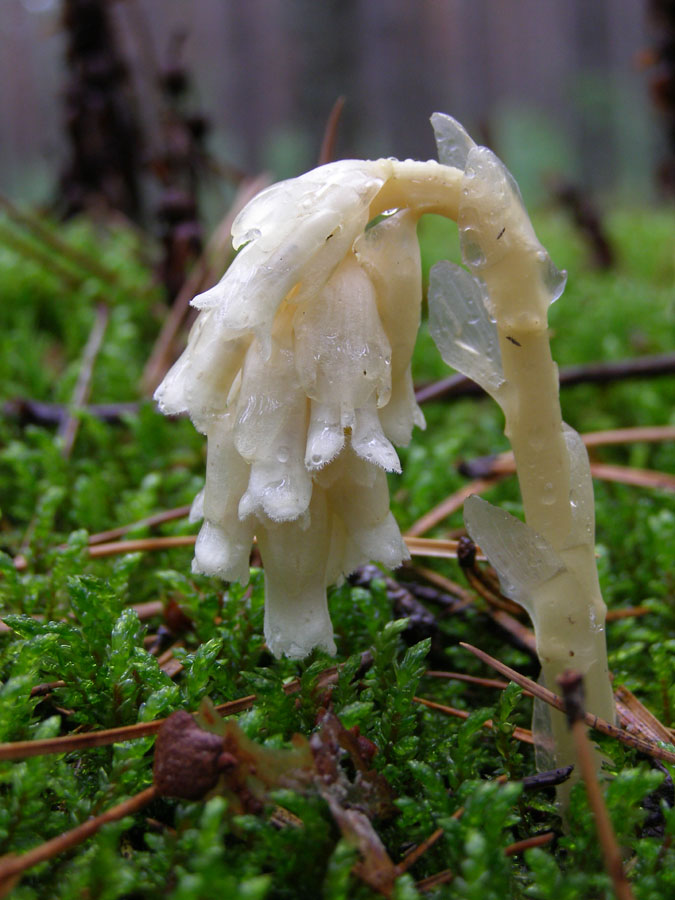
<point>521,734</point>
<point>89,739</point>
<point>644,745</point>
<point>417,546</point>
<point>539,840</point>
<point>452,503</point>
<point>12,865</point>
<point>571,684</point>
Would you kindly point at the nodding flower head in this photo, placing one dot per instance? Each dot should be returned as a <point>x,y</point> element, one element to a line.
<point>298,372</point>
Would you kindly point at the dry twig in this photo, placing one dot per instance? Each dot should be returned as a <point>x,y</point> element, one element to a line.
<point>67,430</point>
<point>644,745</point>
<point>571,684</point>
<point>521,734</point>
<point>327,152</point>
<point>12,866</point>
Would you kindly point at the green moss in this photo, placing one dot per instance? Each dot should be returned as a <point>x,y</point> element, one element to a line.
<point>72,621</point>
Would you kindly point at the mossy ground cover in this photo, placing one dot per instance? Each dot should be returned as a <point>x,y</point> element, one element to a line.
<point>75,620</point>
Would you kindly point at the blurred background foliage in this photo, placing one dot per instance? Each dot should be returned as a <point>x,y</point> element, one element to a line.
<point>550,86</point>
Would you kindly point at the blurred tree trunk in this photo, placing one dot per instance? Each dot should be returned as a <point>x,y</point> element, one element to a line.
<point>103,140</point>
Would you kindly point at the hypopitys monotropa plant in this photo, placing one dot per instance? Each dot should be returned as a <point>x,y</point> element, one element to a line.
<point>298,372</point>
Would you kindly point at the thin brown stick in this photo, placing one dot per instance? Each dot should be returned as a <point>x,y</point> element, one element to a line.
<point>209,267</point>
<point>572,688</point>
<point>445,584</point>
<point>67,430</point>
<point>628,612</point>
<point>167,515</point>
<point>40,690</point>
<point>413,855</point>
<point>149,609</point>
<point>11,866</point>
<point>452,503</point>
<point>539,840</point>
<point>593,373</point>
<point>441,549</point>
<point>417,546</point>
<point>468,679</point>
<point>142,545</point>
<point>642,744</point>
<point>89,739</point>
<point>644,478</point>
<point>327,151</point>
<point>503,464</point>
<point>520,633</point>
<point>649,434</point>
<point>521,734</point>
<point>434,881</point>
<point>635,716</point>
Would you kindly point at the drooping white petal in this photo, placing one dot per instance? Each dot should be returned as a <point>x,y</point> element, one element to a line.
<point>295,561</point>
<point>342,354</point>
<point>325,435</point>
<point>369,530</point>
<point>196,513</point>
<point>270,433</point>
<point>402,412</point>
<point>224,551</point>
<point>270,212</point>
<point>389,252</point>
<point>369,440</point>
<point>200,381</point>
<point>280,489</point>
<point>289,228</point>
<point>224,543</point>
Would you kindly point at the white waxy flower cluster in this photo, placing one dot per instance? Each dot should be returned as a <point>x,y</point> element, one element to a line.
<point>298,372</point>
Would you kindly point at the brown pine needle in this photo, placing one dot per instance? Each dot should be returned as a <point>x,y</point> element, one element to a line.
<point>452,503</point>
<point>167,515</point>
<point>571,684</point>
<point>89,739</point>
<point>12,866</point>
<point>444,584</point>
<point>521,734</point>
<point>635,716</point>
<point>628,612</point>
<point>471,679</point>
<point>327,151</point>
<point>498,467</point>
<point>539,840</point>
<point>644,434</point>
<point>41,690</point>
<point>86,740</point>
<point>417,546</point>
<point>504,464</point>
<point>441,549</point>
<point>68,429</point>
<point>644,478</point>
<point>434,881</point>
<point>149,609</point>
<point>644,745</point>
<point>415,853</point>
